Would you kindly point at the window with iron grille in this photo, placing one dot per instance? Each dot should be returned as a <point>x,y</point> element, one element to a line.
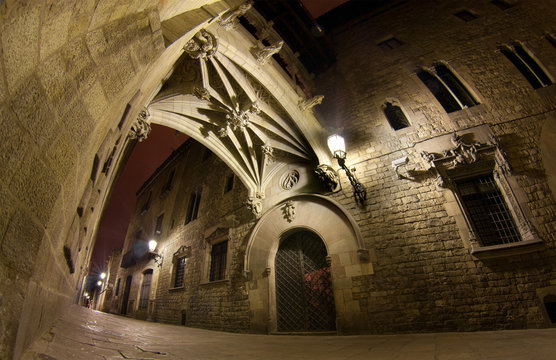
<point>396,117</point>
<point>118,287</point>
<point>180,272</point>
<point>528,67</point>
<point>145,290</point>
<point>218,255</point>
<point>487,210</point>
<point>447,88</point>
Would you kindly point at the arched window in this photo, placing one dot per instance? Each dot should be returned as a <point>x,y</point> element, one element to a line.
<point>447,88</point>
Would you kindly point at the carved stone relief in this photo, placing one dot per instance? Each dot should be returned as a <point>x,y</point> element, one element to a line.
<point>289,211</point>
<point>202,45</point>
<point>229,20</point>
<point>308,104</point>
<point>264,54</point>
<point>255,204</point>
<point>328,177</point>
<point>289,180</point>
<point>140,128</point>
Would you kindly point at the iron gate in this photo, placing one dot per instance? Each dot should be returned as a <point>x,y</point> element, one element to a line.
<point>304,296</point>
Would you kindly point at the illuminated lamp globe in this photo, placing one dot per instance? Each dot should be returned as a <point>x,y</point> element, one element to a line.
<point>103,275</point>
<point>152,245</point>
<point>337,146</point>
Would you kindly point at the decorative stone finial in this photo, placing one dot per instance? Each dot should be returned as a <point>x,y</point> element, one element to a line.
<point>308,104</point>
<point>202,45</point>
<point>140,128</point>
<point>268,153</point>
<point>263,55</point>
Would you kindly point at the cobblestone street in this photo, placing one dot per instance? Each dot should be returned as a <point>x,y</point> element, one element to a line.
<point>92,335</point>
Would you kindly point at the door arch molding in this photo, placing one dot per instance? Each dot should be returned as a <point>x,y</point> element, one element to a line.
<point>342,238</point>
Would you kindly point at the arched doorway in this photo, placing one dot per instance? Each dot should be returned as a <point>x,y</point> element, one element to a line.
<point>304,293</point>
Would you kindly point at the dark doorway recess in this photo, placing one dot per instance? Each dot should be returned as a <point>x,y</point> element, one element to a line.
<point>304,294</point>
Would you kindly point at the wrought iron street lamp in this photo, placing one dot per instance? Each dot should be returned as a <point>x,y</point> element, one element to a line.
<point>157,258</point>
<point>337,146</point>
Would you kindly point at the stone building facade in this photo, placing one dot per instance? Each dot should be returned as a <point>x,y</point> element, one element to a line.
<point>430,97</point>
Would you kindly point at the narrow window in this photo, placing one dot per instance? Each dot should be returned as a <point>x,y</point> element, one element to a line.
<point>118,287</point>
<point>168,185</point>
<point>108,161</point>
<point>488,211</point>
<point>528,67</point>
<point>218,256</point>
<point>180,272</point>
<point>390,44</point>
<point>229,183</point>
<point>207,154</point>
<point>395,116</point>
<point>145,290</point>
<point>94,170</point>
<point>447,88</point>
<point>147,204</point>
<point>551,39</point>
<point>158,229</point>
<point>193,207</point>
<point>466,15</point>
<point>501,4</point>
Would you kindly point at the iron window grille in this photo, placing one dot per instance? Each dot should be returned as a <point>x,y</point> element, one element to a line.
<point>487,210</point>
<point>218,255</point>
<point>447,88</point>
<point>180,272</point>
<point>529,68</point>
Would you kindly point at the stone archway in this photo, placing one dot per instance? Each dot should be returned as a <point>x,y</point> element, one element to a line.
<point>341,236</point>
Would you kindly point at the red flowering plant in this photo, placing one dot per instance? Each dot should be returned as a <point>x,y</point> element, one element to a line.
<point>317,286</point>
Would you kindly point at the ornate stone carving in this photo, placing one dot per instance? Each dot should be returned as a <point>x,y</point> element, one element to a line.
<point>230,19</point>
<point>181,252</point>
<point>223,132</point>
<point>202,45</point>
<point>328,177</point>
<point>255,204</point>
<point>308,104</point>
<point>289,211</point>
<point>289,180</point>
<point>201,93</point>
<point>264,54</point>
<point>237,119</point>
<point>268,153</point>
<point>140,128</point>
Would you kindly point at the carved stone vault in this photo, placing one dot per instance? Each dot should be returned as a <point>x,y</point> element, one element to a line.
<point>222,97</point>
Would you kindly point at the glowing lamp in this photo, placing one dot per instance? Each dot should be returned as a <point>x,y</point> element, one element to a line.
<point>152,245</point>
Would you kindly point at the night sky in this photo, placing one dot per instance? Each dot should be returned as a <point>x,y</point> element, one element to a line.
<point>143,161</point>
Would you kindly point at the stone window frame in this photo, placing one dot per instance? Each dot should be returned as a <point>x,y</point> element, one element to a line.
<point>396,103</point>
<point>182,252</point>
<point>213,236</point>
<point>159,225</point>
<point>168,184</point>
<point>390,43</point>
<point>466,160</point>
<point>510,51</point>
<point>433,72</point>
<point>230,178</point>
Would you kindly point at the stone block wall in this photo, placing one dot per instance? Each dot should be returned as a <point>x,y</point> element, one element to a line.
<point>219,305</point>
<point>67,71</point>
<point>425,277</point>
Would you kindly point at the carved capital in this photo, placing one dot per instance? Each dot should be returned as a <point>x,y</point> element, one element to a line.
<point>140,128</point>
<point>202,45</point>
<point>237,119</point>
<point>328,177</point>
<point>264,54</point>
<point>255,204</point>
<point>268,152</point>
<point>308,104</point>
